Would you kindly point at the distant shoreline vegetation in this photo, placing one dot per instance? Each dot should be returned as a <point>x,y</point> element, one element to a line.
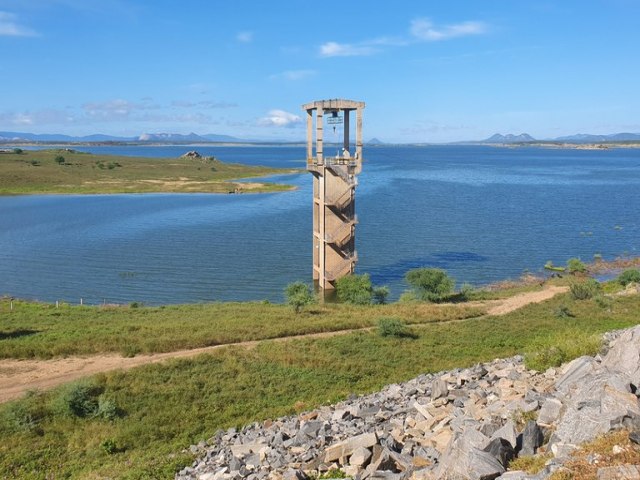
<point>67,171</point>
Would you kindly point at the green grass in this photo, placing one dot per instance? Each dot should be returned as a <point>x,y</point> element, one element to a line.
<point>38,172</point>
<point>38,330</point>
<point>164,408</point>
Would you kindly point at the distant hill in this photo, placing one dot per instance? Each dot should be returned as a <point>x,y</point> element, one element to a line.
<point>56,137</point>
<point>509,138</point>
<point>374,141</point>
<point>588,138</point>
<point>145,137</point>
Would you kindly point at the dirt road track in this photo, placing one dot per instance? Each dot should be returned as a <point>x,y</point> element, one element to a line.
<point>19,376</point>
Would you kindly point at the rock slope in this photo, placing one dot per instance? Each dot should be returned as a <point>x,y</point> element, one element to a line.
<point>460,424</point>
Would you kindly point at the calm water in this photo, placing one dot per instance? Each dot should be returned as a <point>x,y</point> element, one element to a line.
<point>481,213</point>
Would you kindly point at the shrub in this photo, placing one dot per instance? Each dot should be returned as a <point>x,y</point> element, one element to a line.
<point>430,284</point>
<point>629,276</point>
<point>17,151</point>
<point>380,295</point>
<point>59,160</point>
<point>585,290</point>
<point>25,416</point>
<point>408,296</point>
<point>575,265</point>
<point>563,312</point>
<point>299,294</point>
<point>355,289</point>
<point>392,327</point>
<point>109,446</point>
<point>81,400</point>
<point>107,409</point>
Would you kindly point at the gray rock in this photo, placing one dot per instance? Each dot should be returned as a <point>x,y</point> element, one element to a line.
<point>293,474</point>
<point>501,450</point>
<point>550,411</point>
<point>347,447</point>
<point>360,457</point>
<point>599,404</point>
<point>574,371</point>
<point>532,438</point>
<point>624,355</point>
<point>439,389</point>
<point>622,472</point>
<point>508,432</point>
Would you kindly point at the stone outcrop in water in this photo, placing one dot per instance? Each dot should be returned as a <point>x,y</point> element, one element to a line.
<point>460,424</point>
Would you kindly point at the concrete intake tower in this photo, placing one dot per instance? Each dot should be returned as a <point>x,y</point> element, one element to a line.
<point>334,185</point>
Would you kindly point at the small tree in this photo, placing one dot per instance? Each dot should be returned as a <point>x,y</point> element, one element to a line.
<point>585,290</point>
<point>575,265</point>
<point>299,294</point>
<point>59,160</point>
<point>355,289</point>
<point>430,284</point>
<point>17,151</point>
<point>379,295</point>
<point>629,276</point>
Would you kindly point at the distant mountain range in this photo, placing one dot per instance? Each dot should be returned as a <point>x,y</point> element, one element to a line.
<point>145,137</point>
<point>578,138</point>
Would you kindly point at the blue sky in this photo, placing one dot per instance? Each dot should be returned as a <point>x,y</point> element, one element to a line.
<point>429,71</point>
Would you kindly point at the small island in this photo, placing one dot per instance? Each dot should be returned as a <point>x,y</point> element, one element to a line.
<point>68,171</point>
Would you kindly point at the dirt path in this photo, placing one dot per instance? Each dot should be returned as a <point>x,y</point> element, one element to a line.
<point>19,376</point>
<point>518,301</point>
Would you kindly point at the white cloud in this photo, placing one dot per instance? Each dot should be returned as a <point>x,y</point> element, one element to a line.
<point>9,27</point>
<point>293,75</point>
<point>279,118</point>
<point>37,117</point>
<point>424,29</point>
<point>202,104</point>
<point>111,110</point>
<point>244,37</point>
<point>334,49</point>
<point>421,30</point>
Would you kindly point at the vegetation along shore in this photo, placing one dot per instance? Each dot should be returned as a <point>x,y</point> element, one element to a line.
<point>139,422</point>
<point>68,171</point>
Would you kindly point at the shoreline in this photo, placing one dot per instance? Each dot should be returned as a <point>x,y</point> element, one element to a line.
<point>65,171</point>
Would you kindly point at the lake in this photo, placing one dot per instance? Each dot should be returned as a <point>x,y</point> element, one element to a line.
<point>482,213</point>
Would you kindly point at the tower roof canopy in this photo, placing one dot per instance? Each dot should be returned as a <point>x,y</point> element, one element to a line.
<point>333,104</point>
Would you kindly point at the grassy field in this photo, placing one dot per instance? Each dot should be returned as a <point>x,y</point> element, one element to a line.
<point>38,330</point>
<point>71,172</point>
<point>158,410</point>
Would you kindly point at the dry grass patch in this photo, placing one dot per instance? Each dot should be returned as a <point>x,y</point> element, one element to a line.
<point>613,449</point>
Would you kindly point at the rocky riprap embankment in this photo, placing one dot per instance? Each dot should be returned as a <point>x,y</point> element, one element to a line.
<point>460,424</point>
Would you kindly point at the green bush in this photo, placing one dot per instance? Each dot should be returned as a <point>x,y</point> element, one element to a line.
<point>430,284</point>
<point>59,160</point>
<point>299,294</point>
<point>585,290</point>
<point>575,265</point>
<point>380,294</point>
<point>107,409</point>
<point>563,312</point>
<point>81,399</point>
<point>109,446</point>
<point>629,276</point>
<point>355,289</point>
<point>392,327</point>
<point>17,151</point>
